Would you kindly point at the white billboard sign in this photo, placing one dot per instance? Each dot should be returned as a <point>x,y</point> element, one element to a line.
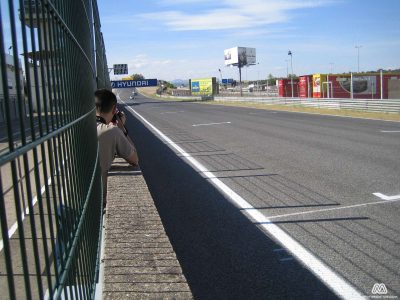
<point>242,56</point>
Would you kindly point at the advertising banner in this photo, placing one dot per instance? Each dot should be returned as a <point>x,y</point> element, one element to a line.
<point>202,86</point>
<point>362,85</point>
<point>318,88</point>
<point>305,86</point>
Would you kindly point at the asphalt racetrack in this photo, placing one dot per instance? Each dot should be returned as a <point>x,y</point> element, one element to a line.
<point>272,204</point>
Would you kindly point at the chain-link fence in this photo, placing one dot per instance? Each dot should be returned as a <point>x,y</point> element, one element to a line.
<point>52,58</point>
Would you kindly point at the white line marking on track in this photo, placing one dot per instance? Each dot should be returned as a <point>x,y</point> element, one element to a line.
<point>279,250</point>
<point>207,124</point>
<point>390,131</point>
<point>330,209</point>
<point>14,227</point>
<point>329,115</point>
<point>329,277</point>
<point>387,198</point>
<point>286,259</point>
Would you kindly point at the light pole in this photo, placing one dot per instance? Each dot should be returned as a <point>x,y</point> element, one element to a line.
<point>9,49</point>
<point>358,57</point>
<point>287,68</point>
<point>220,73</point>
<point>258,76</point>
<point>291,66</point>
<point>331,64</point>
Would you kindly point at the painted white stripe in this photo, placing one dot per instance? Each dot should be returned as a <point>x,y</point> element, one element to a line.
<point>330,209</point>
<point>387,198</point>
<point>14,227</point>
<point>279,250</point>
<point>331,279</point>
<point>390,131</point>
<point>99,286</point>
<point>207,124</point>
<point>286,259</point>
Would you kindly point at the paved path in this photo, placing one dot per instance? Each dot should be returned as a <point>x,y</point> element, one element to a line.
<point>139,261</point>
<point>330,184</point>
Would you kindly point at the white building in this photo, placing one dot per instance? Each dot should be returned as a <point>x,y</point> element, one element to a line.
<point>11,86</point>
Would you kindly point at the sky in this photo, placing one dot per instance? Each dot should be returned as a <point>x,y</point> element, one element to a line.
<point>182,39</point>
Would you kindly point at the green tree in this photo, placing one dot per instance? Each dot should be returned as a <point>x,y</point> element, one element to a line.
<point>167,85</point>
<point>137,77</point>
<point>271,80</point>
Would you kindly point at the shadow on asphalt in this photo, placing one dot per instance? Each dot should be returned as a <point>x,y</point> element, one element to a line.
<point>222,253</point>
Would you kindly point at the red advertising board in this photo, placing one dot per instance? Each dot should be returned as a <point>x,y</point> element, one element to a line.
<point>365,86</point>
<point>305,86</point>
<point>285,88</point>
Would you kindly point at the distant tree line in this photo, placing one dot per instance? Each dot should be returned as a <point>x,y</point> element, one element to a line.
<point>137,77</point>
<point>164,85</point>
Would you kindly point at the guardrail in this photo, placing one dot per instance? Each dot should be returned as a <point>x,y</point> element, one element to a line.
<point>369,105</point>
<point>50,183</point>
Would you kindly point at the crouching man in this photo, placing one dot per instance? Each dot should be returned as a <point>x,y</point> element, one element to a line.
<point>113,139</point>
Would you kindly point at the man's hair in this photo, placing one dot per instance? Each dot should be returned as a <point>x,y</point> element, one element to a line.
<point>105,100</point>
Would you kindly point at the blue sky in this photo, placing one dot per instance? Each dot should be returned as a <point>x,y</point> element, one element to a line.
<point>170,39</point>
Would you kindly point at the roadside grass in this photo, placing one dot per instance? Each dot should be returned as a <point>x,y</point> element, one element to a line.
<point>150,92</point>
<point>311,110</point>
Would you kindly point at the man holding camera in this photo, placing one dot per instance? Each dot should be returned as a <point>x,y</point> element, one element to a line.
<point>112,135</point>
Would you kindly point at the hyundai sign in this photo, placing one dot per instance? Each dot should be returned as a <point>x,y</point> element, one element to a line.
<point>121,84</point>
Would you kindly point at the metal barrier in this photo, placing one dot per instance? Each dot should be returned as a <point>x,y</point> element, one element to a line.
<point>370,105</point>
<point>50,183</point>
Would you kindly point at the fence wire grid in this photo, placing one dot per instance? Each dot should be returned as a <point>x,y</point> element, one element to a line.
<point>52,58</point>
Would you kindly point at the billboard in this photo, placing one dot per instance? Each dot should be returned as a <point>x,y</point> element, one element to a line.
<point>242,56</point>
<point>202,86</point>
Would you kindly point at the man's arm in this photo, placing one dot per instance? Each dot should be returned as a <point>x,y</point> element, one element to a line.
<point>133,158</point>
<point>121,120</point>
<point>126,148</point>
